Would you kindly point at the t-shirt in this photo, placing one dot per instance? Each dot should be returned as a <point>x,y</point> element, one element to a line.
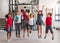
<point>18,18</point>
<point>48,21</point>
<point>9,22</point>
<point>39,17</point>
<point>31,20</point>
<point>25,16</point>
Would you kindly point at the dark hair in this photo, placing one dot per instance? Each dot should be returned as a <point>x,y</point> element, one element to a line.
<point>39,11</point>
<point>22,10</point>
<point>7,15</point>
<point>28,10</point>
<point>50,14</point>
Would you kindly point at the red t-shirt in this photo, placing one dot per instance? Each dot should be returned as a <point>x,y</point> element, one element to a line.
<point>8,22</point>
<point>26,17</point>
<point>48,21</point>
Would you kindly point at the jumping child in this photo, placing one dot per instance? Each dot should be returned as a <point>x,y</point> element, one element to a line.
<point>25,22</point>
<point>9,23</point>
<point>39,23</point>
<point>18,18</point>
<point>31,22</point>
<point>49,25</point>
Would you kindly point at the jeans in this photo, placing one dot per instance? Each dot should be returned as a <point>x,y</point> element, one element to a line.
<point>17,28</point>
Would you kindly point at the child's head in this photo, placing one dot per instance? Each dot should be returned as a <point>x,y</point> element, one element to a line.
<point>49,14</point>
<point>17,13</point>
<point>9,15</point>
<point>40,12</point>
<point>31,15</point>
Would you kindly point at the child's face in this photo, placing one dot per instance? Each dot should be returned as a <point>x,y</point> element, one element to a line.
<point>40,12</point>
<point>9,15</point>
<point>48,15</point>
<point>18,13</point>
<point>32,16</point>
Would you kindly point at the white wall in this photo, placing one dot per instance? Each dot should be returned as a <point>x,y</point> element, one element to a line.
<point>48,4</point>
<point>3,8</point>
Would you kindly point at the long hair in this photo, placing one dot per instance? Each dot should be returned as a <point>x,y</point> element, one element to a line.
<point>6,16</point>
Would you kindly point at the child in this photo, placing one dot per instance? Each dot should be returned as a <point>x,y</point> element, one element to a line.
<point>31,22</point>
<point>18,23</point>
<point>49,25</point>
<point>39,23</point>
<point>25,22</point>
<point>9,23</point>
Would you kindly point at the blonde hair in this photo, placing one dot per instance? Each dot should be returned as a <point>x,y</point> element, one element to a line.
<point>31,14</point>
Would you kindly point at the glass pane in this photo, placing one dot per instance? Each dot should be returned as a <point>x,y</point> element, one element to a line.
<point>56,18</point>
<point>28,1</point>
<point>59,17</point>
<point>56,9</point>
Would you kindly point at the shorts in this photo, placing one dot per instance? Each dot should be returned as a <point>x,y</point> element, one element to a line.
<point>9,30</point>
<point>39,23</point>
<point>30,27</point>
<point>25,23</point>
<point>49,28</point>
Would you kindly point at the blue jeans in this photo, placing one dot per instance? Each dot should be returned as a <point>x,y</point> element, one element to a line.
<point>17,28</point>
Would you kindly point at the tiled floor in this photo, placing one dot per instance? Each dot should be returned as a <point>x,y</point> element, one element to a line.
<point>32,39</point>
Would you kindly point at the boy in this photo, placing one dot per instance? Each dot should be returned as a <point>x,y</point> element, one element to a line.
<point>49,25</point>
<point>18,23</point>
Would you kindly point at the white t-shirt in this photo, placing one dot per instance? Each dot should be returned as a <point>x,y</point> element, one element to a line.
<point>31,21</point>
<point>19,18</point>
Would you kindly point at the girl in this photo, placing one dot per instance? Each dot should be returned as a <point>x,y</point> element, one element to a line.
<point>9,23</point>
<point>49,25</point>
<point>39,23</point>
<point>18,23</point>
<point>31,22</point>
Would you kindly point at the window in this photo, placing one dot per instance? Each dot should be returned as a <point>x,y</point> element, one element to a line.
<point>57,15</point>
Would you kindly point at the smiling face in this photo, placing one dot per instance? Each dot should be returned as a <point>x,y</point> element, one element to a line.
<point>9,15</point>
<point>31,15</point>
<point>40,12</point>
<point>18,12</point>
<point>49,15</point>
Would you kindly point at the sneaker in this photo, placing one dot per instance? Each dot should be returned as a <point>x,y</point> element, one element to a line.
<point>52,38</point>
<point>9,40</point>
<point>28,35</point>
<point>45,37</point>
<point>39,36</point>
<point>30,31</point>
<point>23,36</point>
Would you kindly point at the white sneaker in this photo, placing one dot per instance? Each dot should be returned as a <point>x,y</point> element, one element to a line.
<point>9,40</point>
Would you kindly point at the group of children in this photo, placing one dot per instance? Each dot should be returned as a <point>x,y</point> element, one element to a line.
<point>27,20</point>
